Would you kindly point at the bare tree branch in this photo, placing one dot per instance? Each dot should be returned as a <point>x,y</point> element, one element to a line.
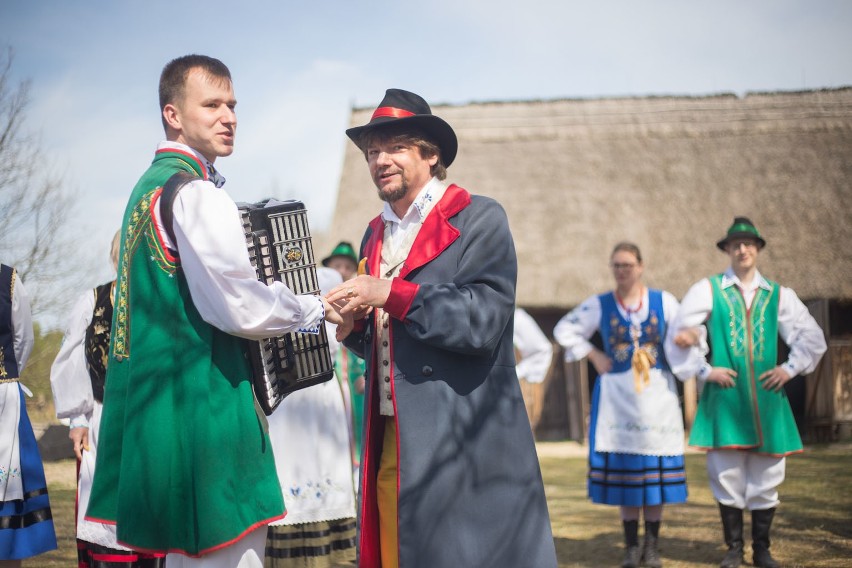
<point>36,209</point>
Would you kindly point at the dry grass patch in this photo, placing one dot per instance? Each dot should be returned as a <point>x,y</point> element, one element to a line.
<point>813,526</point>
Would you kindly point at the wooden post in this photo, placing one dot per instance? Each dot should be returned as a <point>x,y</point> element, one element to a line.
<point>577,387</point>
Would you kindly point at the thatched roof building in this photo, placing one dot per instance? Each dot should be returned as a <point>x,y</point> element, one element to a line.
<point>669,173</point>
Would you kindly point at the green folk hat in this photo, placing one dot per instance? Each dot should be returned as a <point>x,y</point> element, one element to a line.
<point>343,249</point>
<point>742,228</point>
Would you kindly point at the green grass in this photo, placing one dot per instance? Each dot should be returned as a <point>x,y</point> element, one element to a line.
<point>813,526</point>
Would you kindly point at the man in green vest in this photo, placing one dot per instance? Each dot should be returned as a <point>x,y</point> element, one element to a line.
<point>744,420</point>
<point>184,462</point>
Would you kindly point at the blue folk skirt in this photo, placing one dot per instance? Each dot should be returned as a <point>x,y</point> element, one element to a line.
<point>632,480</point>
<point>26,525</point>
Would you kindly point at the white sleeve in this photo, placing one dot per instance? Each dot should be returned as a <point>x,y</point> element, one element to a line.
<point>694,310</point>
<point>69,375</point>
<point>222,282</point>
<point>802,334</point>
<point>675,356</point>
<point>534,347</point>
<point>576,327</point>
<point>22,324</point>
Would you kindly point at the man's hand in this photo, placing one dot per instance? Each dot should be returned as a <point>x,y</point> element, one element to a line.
<point>80,438</point>
<point>333,315</point>
<point>722,376</point>
<point>359,295</point>
<point>775,379</point>
<point>600,361</point>
<point>686,338</point>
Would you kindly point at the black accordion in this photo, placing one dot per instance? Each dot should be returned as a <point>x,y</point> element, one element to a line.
<point>279,246</point>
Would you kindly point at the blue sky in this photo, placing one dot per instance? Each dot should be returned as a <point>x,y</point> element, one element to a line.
<point>299,67</point>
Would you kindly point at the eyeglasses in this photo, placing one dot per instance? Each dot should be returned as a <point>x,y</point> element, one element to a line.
<point>622,266</point>
<point>735,245</point>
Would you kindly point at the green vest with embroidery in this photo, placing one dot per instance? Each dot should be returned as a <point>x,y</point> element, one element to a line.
<point>745,416</point>
<point>184,460</point>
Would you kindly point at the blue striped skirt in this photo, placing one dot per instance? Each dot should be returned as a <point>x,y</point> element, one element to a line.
<point>632,480</point>
<point>26,525</point>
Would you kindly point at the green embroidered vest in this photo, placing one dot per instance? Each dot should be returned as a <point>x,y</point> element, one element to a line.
<point>184,460</point>
<point>745,416</point>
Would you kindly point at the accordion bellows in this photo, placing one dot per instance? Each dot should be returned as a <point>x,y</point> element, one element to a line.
<point>279,245</point>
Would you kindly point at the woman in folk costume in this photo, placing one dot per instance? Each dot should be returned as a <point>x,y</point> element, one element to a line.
<point>636,426</point>
<point>77,378</point>
<point>26,523</point>
<point>310,439</point>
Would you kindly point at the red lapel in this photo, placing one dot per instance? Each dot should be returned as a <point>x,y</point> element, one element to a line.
<point>437,233</point>
<point>373,247</point>
<point>434,237</point>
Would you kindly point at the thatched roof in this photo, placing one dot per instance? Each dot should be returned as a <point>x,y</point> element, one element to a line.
<point>669,173</point>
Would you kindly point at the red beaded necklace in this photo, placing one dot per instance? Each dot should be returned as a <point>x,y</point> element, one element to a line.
<point>631,310</point>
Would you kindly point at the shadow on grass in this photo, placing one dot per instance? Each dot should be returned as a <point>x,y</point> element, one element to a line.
<point>813,525</point>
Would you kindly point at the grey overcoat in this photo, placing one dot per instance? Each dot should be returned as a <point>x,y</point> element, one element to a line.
<point>470,488</point>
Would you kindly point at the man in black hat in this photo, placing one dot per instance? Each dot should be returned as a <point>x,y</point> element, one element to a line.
<point>744,420</point>
<point>449,472</point>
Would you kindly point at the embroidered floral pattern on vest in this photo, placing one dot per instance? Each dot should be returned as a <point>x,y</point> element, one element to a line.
<point>139,226</point>
<point>742,321</point>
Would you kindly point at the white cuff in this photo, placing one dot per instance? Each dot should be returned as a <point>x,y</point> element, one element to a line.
<point>79,422</point>
<point>790,369</point>
<point>313,317</point>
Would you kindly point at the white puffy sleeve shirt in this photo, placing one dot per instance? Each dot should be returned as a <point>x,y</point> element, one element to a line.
<point>221,279</point>
<point>534,347</point>
<point>22,324</point>
<point>796,326</point>
<point>69,375</point>
<point>576,327</point>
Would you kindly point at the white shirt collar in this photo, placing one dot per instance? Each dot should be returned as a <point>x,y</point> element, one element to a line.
<point>211,171</point>
<point>429,195</point>
<point>730,279</point>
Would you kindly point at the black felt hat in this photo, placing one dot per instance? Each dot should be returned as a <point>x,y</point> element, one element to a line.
<point>406,108</point>
<point>741,228</point>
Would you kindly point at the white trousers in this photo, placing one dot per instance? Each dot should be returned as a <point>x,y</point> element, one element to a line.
<point>745,480</point>
<point>248,552</point>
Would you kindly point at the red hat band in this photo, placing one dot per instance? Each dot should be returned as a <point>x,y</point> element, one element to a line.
<point>392,112</point>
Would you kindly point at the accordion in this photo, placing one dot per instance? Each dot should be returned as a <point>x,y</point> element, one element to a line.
<point>279,246</point>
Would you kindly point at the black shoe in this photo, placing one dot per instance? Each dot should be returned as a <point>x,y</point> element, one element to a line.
<point>732,525</point>
<point>650,553</point>
<point>632,556</point>
<point>761,522</point>
<point>762,559</point>
<point>732,559</point>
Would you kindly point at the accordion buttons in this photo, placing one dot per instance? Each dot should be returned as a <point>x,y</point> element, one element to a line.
<point>389,396</point>
<point>385,363</point>
<point>427,371</point>
<point>387,379</point>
